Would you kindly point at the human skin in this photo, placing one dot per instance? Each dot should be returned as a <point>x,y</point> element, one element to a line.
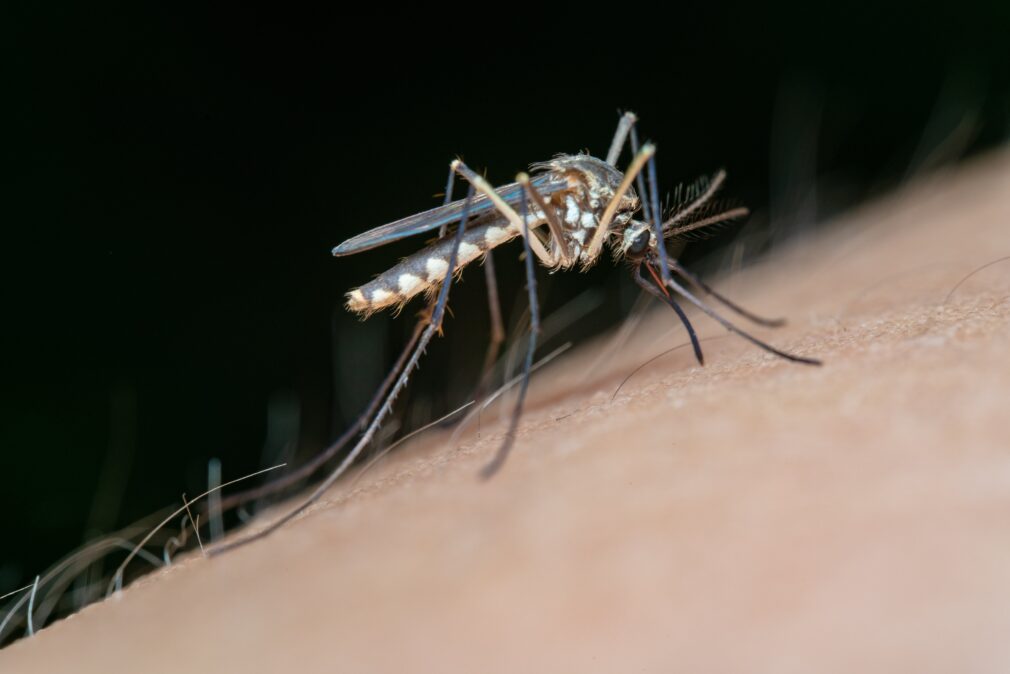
<point>750,515</point>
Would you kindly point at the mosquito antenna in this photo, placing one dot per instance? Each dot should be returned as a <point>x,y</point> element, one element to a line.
<point>531,286</point>
<point>721,217</point>
<point>680,216</point>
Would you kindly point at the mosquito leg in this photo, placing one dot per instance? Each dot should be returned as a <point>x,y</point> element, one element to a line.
<point>334,448</point>
<point>449,183</point>
<point>497,330</point>
<point>531,285</point>
<point>657,225</point>
<point>362,421</point>
<point>626,124</point>
<point>697,282</point>
<point>553,223</point>
<point>732,328</point>
<point>521,224</point>
<point>639,179</point>
<point>643,156</point>
<point>433,327</point>
<point>660,292</point>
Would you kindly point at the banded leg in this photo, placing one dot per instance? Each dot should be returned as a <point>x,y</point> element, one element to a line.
<point>434,326</point>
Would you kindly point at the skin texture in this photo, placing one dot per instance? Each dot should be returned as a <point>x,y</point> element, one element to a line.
<point>752,515</point>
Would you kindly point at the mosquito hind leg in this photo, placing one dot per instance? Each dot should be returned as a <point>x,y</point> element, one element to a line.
<point>301,472</point>
<point>433,326</point>
<point>531,285</point>
<point>497,330</point>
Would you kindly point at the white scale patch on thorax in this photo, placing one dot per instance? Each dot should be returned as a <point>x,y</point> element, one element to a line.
<point>572,211</point>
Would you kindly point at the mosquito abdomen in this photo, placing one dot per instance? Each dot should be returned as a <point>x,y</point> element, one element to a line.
<point>425,269</point>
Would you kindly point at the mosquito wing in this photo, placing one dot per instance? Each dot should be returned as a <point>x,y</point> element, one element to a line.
<point>429,220</point>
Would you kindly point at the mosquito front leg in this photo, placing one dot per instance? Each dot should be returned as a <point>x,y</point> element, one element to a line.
<point>626,124</point>
<point>661,293</point>
<point>732,306</point>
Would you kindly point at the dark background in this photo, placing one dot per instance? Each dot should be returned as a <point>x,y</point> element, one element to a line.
<point>175,179</point>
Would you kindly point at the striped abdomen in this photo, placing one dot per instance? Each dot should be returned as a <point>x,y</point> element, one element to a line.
<point>426,269</point>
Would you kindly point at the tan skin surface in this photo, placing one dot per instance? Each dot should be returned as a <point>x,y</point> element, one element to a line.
<point>752,515</point>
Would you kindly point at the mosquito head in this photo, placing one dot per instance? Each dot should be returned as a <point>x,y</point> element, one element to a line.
<point>636,241</point>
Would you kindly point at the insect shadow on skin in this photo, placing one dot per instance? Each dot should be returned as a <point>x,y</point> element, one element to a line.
<point>565,213</point>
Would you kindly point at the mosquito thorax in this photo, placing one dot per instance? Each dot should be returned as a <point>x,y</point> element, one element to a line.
<point>595,178</point>
<point>592,185</point>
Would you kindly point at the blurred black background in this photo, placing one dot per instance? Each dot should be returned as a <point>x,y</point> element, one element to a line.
<point>174,180</point>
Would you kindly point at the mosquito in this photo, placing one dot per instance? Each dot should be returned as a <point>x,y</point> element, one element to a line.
<point>565,214</point>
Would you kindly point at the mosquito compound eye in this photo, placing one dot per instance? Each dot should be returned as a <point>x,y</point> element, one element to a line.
<point>637,246</point>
